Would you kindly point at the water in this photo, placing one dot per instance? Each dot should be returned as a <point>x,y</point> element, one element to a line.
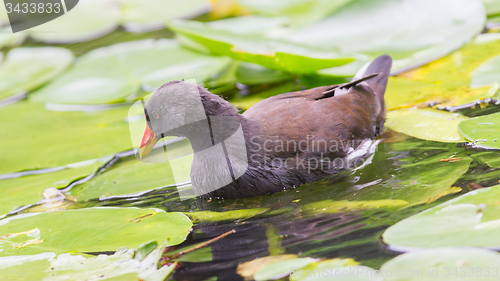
<point>298,222</point>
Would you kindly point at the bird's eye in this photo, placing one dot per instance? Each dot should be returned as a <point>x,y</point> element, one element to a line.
<point>155,115</point>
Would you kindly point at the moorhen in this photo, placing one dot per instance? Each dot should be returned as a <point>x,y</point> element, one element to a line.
<point>279,143</point>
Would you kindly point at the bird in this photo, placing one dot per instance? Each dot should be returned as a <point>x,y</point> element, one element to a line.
<point>279,143</point>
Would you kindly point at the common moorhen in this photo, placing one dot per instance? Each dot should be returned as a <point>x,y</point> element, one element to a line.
<point>279,143</point>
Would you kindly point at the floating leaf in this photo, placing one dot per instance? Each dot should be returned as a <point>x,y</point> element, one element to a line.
<point>27,190</point>
<point>76,26</point>
<point>91,230</point>
<point>34,138</point>
<point>486,74</point>
<point>443,264</point>
<point>328,206</point>
<point>79,268</point>
<point>421,32</point>
<point>250,74</point>
<point>445,82</point>
<point>274,54</point>
<point>298,11</point>
<point>8,39</point>
<point>147,15</point>
<point>249,268</point>
<point>492,7</point>
<point>112,74</point>
<point>471,220</point>
<point>483,130</point>
<point>25,69</point>
<point>323,266</point>
<point>428,124</point>
<point>132,177</point>
<point>303,269</point>
<point>280,269</point>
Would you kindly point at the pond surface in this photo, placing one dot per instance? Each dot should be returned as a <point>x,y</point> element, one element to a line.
<point>299,222</point>
<point>343,217</point>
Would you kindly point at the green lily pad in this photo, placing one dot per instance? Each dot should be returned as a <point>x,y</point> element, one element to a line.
<point>443,264</point>
<point>329,206</point>
<point>492,7</point>
<point>422,31</point>
<point>299,12</point>
<point>487,73</point>
<point>471,220</point>
<point>251,74</point>
<point>147,15</point>
<point>34,138</point>
<point>76,26</point>
<point>27,190</point>
<point>120,265</point>
<point>132,177</point>
<point>326,266</point>
<point>9,39</point>
<point>444,82</point>
<point>346,273</point>
<point>274,54</point>
<point>112,74</point>
<point>428,124</point>
<point>483,130</point>
<point>25,69</point>
<point>280,269</point>
<point>90,230</point>
<point>302,269</point>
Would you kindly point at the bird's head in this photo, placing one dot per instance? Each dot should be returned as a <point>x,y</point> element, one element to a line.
<point>169,111</point>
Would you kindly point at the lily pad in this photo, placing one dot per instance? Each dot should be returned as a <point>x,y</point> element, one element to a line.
<point>444,82</point>
<point>487,73</point>
<point>443,264</point>
<point>421,32</point>
<point>90,230</point>
<point>471,220</point>
<point>34,138</point>
<point>132,177</point>
<point>147,15</point>
<point>492,7</point>
<point>325,267</point>
<point>120,265</point>
<point>271,53</point>
<point>428,124</point>
<point>113,74</point>
<point>27,190</point>
<point>311,269</point>
<point>280,269</point>
<point>76,26</point>
<point>9,39</point>
<point>299,12</point>
<point>483,130</point>
<point>251,74</point>
<point>25,69</point>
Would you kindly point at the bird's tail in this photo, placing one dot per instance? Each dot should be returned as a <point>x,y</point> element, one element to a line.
<point>378,84</point>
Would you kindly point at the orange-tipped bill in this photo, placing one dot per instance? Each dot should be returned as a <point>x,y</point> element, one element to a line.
<point>148,142</point>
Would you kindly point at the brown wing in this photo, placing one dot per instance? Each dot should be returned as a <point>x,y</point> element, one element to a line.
<point>310,124</point>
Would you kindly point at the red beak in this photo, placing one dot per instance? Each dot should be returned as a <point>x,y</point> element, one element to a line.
<point>148,142</point>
